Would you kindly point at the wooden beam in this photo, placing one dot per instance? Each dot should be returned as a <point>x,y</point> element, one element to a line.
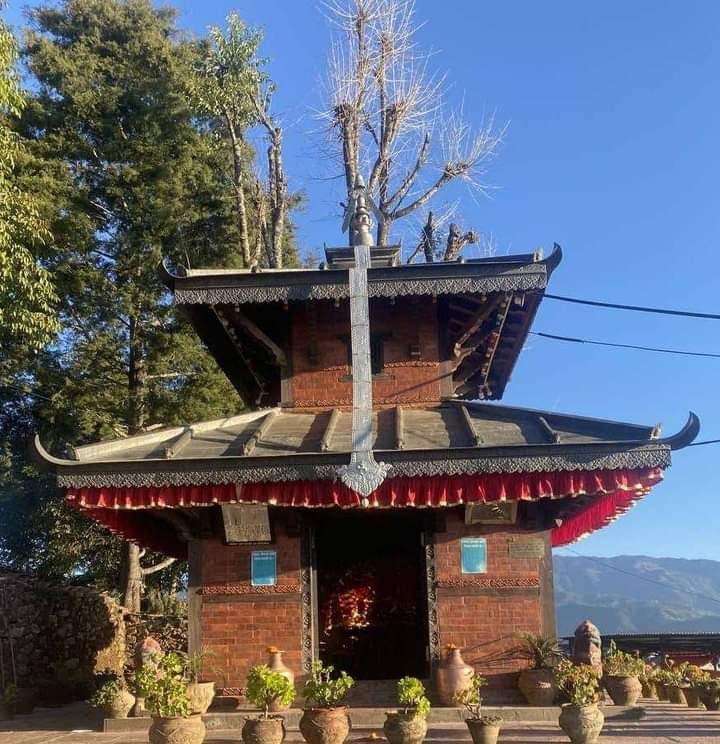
<point>181,442</point>
<point>475,325</point>
<point>399,428</point>
<point>470,429</point>
<point>550,433</point>
<point>327,436</point>
<point>260,430</point>
<point>276,352</point>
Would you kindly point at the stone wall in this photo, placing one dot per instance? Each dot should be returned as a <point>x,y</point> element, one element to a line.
<point>170,631</point>
<point>57,634</point>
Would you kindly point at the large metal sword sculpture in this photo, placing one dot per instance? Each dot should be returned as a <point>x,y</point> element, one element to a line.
<point>363,475</point>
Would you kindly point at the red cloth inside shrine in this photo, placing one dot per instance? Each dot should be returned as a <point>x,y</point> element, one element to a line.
<point>617,490</point>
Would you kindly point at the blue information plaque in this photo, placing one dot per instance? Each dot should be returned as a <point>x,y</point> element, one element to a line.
<point>473,555</point>
<point>263,565</point>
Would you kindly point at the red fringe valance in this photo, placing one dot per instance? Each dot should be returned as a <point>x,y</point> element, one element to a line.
<point>119,508</point>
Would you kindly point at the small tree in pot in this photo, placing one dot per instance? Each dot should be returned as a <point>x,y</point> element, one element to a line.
<point>580,718</point>
<point>483,729</point>
<point>164,688</point>
<point>537,683</point>
<point>622,676</point>
<point>114,698</point>
<point>265,689</point>
<point>409,725</point>
<point>648,681</point>
<point>200,693</point>
<point>325,719</point>
<point>692,674</point>
<point>709,691</point>
<point>674,685</point>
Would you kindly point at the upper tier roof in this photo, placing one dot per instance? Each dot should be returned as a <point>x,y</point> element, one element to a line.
<point>486,306</point>
<point>452,438</point>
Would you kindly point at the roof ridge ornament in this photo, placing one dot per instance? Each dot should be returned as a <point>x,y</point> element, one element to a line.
<point>364,474</point>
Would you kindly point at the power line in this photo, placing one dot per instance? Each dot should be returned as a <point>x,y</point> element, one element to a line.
<point>640,577</point>
<point>655,349</point>
<point>707,441</point>
<point>636,308</point>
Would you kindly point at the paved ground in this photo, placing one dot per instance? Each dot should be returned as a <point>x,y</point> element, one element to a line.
<point>663,723</point>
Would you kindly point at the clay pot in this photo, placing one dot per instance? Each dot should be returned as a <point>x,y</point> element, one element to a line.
<point>325,725</point>
<point>582,723</point>
<point>453,675</point>
<point>200,695</point>
<point>264,730</point>
<point>404,728</point>
<point>676,695</point>
<point>190,730</point>
<point>481,732</point>
<point>120,705</point>
<point>710,697</point>
<point>623,690</point>
<point>662,691</point>
<point>538,686</point>
<point>276,664</point>
<point>692,696</point>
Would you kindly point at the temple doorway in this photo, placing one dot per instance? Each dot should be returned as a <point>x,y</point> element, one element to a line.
<point>371,593</point>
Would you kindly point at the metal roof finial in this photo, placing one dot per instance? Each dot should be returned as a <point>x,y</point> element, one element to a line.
<point>357,215</point>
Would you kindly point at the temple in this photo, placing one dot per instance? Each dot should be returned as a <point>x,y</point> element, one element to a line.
<point>370,505</point>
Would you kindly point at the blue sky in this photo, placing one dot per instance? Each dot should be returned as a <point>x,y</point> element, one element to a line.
<point>610,152</point>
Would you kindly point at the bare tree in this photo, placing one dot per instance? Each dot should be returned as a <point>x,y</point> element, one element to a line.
<point>386,111</point>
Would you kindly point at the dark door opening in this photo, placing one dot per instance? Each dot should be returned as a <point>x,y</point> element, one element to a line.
<point>371,593</point>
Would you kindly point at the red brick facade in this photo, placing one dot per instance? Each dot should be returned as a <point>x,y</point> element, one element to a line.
<point>235,622</point>
<point>319,354</point>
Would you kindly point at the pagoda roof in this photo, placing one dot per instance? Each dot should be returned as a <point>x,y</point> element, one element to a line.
<point>487,306</point>
<point>452,438</point>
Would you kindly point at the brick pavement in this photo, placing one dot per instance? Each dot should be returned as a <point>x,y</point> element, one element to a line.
<point>663,724</point>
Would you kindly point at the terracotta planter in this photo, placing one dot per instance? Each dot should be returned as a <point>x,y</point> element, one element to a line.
<point>692,696</point>
<point>276,664</point>
<point>481,732</point>
<point>710,697</point>
<point>325,725</point>
<point>404,728</point>
<point>676,695</point>
<point>624,690</point>
<point>190,730</point>
<point>121,705</point>
<point>264,730</point>
<point>453,676</point>
<point>538,686</point>
<point>662,691</point>
<point>582,723</point>
<point>200,695</point>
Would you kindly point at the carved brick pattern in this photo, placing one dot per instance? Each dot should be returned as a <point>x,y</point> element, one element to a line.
<point>230,589</point>
<point>491,582</point>
<point>307,646</point>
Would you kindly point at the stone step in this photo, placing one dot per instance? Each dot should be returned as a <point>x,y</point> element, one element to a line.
<point>366,720</point>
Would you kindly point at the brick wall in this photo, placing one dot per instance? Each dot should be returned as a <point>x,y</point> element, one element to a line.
<point>319,358</point>
<point>235,622</point>
<point>483,613</point>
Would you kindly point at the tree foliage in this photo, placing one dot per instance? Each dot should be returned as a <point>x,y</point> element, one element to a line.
<point>125,171</point>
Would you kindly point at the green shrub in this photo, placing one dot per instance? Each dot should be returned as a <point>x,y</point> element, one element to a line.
<point>580,682</point>
<point>107,692</point>
<point>324,691</point>
<point>164,686</point>
<point>265,687</point>
<point>411,695</point>
<point>470,697</point>
<point>621,664</point>
<point>542,651</point>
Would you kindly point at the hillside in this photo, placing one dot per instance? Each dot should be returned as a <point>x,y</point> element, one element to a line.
<point>637,594</point>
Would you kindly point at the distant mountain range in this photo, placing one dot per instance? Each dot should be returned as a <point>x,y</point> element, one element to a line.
<point>637,594</point>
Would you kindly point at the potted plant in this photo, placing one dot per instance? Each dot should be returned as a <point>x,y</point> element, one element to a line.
<point>483,729</point>
<point>409,725</point>
<point>265,688</point>
<point>622,676</point>
<point>648,681</point>
<point>674,685</point>
<point>692,675</point>
<point>537,683</point>
<point>709,691</point>
<point>114,698</point>
<point>8,700</point>
<point>662,680</point>
<point>199,693</point>
<point>164,688</point>
<point>580,718</point>
<point>325,719</point>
